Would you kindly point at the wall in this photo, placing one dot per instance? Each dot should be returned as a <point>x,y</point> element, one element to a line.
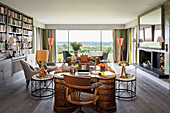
<point>84,26</point>
<point>131,24</point>
<point>38,24</point>
<point>167,36</point>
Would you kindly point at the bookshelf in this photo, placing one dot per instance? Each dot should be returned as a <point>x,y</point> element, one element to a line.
<point>18,26</point>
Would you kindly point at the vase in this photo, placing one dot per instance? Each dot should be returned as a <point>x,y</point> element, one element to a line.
<point>102,69</point>
<point>76,53</point>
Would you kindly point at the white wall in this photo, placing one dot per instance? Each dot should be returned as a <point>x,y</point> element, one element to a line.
<point>131,24</point>
<point>39,24</point>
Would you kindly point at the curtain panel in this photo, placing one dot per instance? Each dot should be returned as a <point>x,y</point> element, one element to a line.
<point>50,33</point>
<point>39,38</point>
<point>129,42</point>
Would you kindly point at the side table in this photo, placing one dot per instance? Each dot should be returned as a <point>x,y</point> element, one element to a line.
<point>126,87</point>
<point>42,87</point>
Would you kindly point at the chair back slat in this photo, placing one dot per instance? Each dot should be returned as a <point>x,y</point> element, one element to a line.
<point>79,81</point>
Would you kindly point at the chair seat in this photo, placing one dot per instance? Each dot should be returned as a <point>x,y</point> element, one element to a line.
<point>84,97</point>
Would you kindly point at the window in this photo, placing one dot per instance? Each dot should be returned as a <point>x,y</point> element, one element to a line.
<point>62,42</point>
<point>107,42</point>
<point>92,40</point>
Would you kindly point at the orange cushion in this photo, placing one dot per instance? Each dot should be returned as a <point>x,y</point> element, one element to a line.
<point>84,58</point>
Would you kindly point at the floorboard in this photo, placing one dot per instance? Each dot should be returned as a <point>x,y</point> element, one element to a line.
<point>151,97</point>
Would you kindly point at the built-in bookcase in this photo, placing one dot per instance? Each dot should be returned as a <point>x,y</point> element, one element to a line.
<point>19,26</point>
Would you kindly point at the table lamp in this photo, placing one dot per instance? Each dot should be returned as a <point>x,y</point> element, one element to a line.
<point>160,39</point>
<point>42,55</point>
<point>123,64</point>
<point>50,42</point>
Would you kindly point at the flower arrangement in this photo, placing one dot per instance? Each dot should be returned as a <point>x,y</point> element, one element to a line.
<point>76,46</point>
<point>102,66</point>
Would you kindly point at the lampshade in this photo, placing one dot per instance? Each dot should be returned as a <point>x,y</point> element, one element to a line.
<point>11,40</point>
<point>50,41</point>
<point>120,41</point>
<point>140,40</point>
<point>160,39</point>
<point>25,40</point>
<point>123,63</point>
<point>134,40</point>
<point>42,55</point>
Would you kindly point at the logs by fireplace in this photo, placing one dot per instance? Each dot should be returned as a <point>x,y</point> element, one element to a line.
<point>162,67</point>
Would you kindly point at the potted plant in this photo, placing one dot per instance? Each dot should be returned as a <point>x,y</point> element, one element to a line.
<point>76,46</point>
<point>102,66</point>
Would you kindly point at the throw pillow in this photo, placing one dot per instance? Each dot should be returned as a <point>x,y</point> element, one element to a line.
<point>65,68</point>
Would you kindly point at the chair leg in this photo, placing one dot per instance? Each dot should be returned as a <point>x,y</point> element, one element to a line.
<point>27,81</point>
<point>80,111</point>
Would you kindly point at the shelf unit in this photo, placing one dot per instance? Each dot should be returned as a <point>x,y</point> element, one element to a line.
<point>19,26</point>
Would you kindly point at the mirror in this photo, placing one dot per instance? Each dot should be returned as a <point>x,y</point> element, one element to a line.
<point>151,29</point>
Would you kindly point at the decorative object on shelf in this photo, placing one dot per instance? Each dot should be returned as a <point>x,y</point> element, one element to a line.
<point>11,40</point>
<point>26,41</point>
<point>120,42</point>
<point>123,73</point>
<point>76,46</point>
<point>50,42</point>
<point>140,40</point>
<point>102,66</point>
<point>42,55</point>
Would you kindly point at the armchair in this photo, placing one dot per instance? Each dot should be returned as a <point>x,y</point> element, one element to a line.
<point>66,54</point>
<point>105,55</point>
<point>28,71</point>
<point>74,90</point>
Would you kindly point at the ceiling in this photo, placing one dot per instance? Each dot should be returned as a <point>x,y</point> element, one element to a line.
<point>83,11</point>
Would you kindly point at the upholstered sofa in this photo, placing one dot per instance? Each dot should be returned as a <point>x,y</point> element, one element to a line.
<point>103,55</point>
<point>82,60</point>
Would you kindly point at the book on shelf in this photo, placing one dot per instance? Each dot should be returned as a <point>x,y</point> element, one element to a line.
<point>2,10</point>
<point>14,15</point>
<point>2,18</point>
<point>28,20</point>
<point>3,28</point>
<point>2,36</point>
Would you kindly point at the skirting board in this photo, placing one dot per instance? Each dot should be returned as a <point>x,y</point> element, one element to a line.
<point>155,79</point>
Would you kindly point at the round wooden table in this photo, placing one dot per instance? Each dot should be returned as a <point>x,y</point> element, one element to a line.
<point>105,104</point>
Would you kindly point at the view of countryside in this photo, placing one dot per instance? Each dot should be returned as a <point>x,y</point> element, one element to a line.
<point>92,40</point>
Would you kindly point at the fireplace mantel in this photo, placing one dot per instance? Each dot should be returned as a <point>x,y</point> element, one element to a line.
<point>152,50</point>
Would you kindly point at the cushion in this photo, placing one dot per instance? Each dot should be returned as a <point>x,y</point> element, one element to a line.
<point>66,68</point>
<point>84,97</point>
<point>84,58</point>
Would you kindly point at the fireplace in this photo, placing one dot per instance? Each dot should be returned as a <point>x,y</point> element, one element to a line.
<point>152,61</point>
<point>145,58</point>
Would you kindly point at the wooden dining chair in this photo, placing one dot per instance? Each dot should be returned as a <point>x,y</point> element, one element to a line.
<point>75,94</point>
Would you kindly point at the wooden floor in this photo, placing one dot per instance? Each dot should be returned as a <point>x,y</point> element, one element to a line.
<point>151,97</point>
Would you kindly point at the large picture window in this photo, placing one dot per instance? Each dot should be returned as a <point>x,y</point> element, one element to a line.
<point>92,40</point>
